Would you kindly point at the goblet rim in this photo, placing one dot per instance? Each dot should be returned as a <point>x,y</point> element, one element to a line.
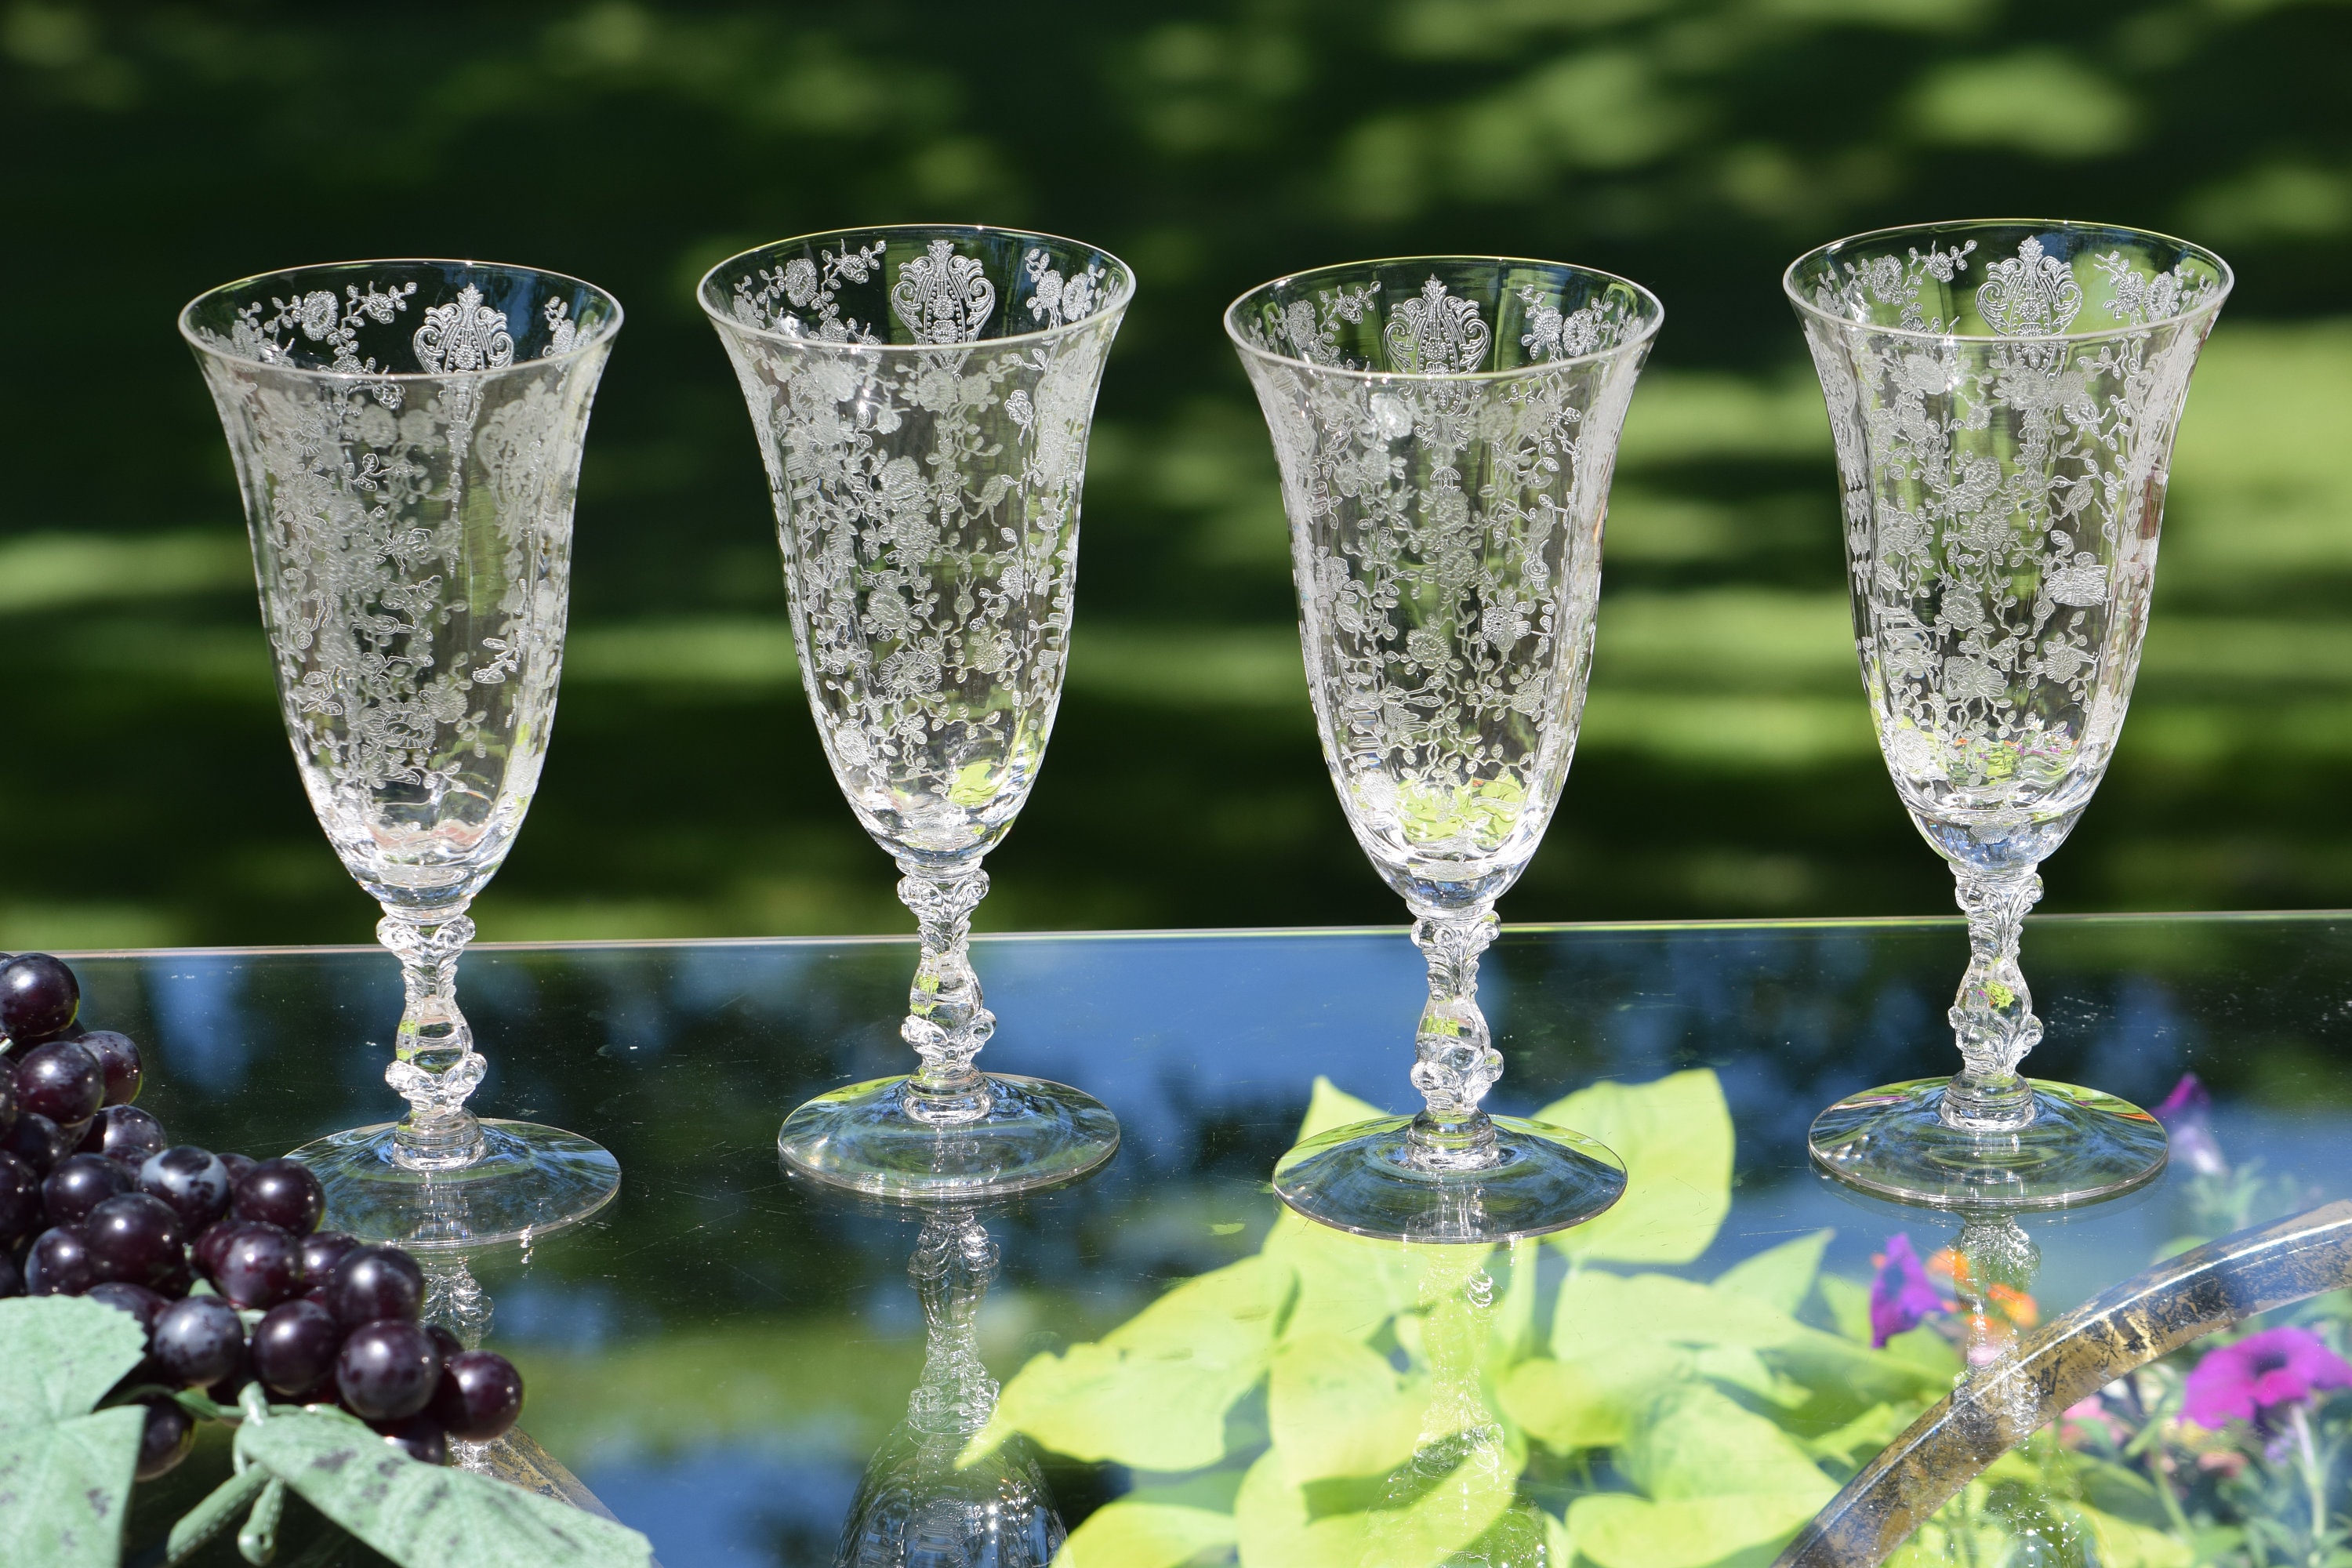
<point>597,336</point>
<point>1115,300</point>
<point>2208,307</point>
<point>1653,319</point>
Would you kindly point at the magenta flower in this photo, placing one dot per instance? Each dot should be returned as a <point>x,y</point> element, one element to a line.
<point>2247,1381</point>
<point>1900,1296</point>
<point>2187,1114</point>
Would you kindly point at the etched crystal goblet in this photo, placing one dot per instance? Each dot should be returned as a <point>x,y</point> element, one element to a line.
<point>1446,428</point>
<point>2003,397</point>
<point>407,438</point>
<point>923,396</point>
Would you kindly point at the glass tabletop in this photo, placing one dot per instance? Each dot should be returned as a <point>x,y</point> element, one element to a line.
<point>753,1370</point>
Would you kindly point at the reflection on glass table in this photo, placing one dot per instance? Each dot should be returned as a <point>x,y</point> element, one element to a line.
<point>720,1355</point>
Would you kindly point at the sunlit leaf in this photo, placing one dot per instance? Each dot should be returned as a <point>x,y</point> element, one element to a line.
<point>65,1474</point>
<point>1675,1135</point>
<point>1154,1392</point>
<point>427,1515</point>
<point>1279,1529</point>
<point>1125,1533</point>
<point>1597,1310</point>
<point>1335,1107</point>
<point>1617,1531</point>
<point>1352,1284</point>
<point>1590,1403</point>
<point>1338,1409</point>
<point>1696,1441</point>
<point>1849,1304</point>
<point>1779,1277</point>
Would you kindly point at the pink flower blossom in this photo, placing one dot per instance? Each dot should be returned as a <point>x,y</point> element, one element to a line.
<point>1900,1295</point>
<point>2247,1381</point>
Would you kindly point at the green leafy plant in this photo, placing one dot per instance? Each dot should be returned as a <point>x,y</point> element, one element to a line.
<point>1334,1401</point>
<point>69,1435</point>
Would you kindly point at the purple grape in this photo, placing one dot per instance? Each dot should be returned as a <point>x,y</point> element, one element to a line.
<point>119,1060</point>
<point>205,1251</point>
<point>23,1205</point>
<point>78,1185</point>
<point>170,1432</point>
<point>387,1370</point>
<point>375,1282</point>
<point>323,1251</point>
<point>192,1181</point>
<point>136,1299</point>
<point>418,1436</point>
<point>8,1095</point>
<point>37,1140</point>
<point>479,1395</point>
<point>12,1275</point>
<point>238,1164</point>
<point>294,1347</point>
<point>282,1192</point>
<point>199,1341</point>
<point>58,1264</point>
<point>258,1266</point>
<point>38,998</point>
<point>446,1343</point>
<point>135,1238</point>
<point>125,1134</point>
<point>61,1082</point>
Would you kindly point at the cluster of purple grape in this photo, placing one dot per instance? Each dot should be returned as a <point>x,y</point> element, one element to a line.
<point>218,1256</point>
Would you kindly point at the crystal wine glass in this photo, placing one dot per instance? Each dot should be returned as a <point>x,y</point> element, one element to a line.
<point>1445,428</point>
<point>407,438</point>
<point>2003,397</point>
<point>923,396</point>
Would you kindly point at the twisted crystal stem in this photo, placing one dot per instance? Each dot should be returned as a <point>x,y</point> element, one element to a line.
<point>1992,1018</point>
<point>1456,1060</point>
<point>954,1260</point>
<point>946,1022</point>
<point>434,1066</point>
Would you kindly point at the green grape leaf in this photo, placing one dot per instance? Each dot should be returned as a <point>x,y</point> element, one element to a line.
<point>426,1516</point>
<point>1153,1393</point>
<point>1675,1135</point>
<point>65,1473</point>
<point>1336,1407</point>
<point>1331,1107</point>
<point>64,1353</point>
<point>1781,1275</point>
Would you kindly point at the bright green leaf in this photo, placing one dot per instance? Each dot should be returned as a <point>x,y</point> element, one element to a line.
<point>1153,1393</point>
<point>1277,1529</point>
<point>1337,1409</point>
<point>1780,1277</point>
<point>1620,1531</point>
<point>426,1515</point>
<point>65,1474</point>
<point>1849,1304</point>
<point>1352,1284</point>
<point>1675,1135</point>
<point>1571,1405</point>
<point>1125,1533</point>
<point>1737,1366</point>
<point>1334,1107</point>
<point>1598,1309</point>
<point>1853,1444</point>
<point>1699,1442</point>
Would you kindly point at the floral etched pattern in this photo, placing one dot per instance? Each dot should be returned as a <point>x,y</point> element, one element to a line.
<point>927,499</point>
<point>411,527</point>
<point>1445,533</point>
<point>2003,496</point>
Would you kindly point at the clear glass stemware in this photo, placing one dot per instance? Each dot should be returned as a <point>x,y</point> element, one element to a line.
<point>2003,397</point>
<point>1445,428</point>
<point>407,438</point>
<point>923,396</point>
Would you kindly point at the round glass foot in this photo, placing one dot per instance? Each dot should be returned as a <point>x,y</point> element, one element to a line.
<point>1032,1134</point>
<point>530,1180</point>
<point>1356,1178</point>
<point>2080,1146</point>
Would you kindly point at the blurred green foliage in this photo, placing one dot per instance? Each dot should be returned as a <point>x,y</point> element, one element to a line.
<point>157,149</point>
